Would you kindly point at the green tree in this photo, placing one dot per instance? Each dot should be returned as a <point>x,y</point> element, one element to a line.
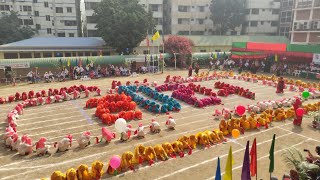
<point>227,14</point>
<point>11,31</point>
<point>123,24</point>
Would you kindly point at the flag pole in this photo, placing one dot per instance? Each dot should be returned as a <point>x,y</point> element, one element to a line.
<point>158,53</point>
<point>162,53</point>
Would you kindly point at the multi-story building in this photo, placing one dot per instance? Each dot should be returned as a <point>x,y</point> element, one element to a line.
<point>262,17</point>
<point>155,6</point>
<point>49,17</point>
<point>306,22</point>
<point>190,17</point>
<point>286,17</point>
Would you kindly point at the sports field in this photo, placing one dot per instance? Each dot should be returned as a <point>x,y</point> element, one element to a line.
<point>54,121</point>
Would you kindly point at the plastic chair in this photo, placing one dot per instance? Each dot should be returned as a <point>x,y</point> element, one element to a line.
<point>296,73</point>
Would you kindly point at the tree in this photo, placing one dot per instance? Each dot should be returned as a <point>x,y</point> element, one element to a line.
<point>123,24</point>
<point>11,31</point>
<point>180,45</point>
<point>227,14</point>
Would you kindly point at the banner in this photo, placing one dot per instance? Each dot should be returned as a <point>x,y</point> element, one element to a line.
<point>316,58</point>
<point>16,65</point>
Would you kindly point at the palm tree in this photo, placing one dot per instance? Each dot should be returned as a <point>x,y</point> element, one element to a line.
<point>295,160</point>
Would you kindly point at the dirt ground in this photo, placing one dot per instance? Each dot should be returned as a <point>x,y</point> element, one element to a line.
<point>56,120</point>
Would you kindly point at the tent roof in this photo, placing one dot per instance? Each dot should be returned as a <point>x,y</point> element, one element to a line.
<point>55,42</point>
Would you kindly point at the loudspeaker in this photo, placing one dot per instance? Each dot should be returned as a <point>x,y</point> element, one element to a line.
<point>7,71</point>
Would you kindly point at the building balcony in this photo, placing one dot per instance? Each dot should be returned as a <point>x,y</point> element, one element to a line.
<point>157,14</point>
<point>148,2</point>
<point>258,17</point>
<point>197,27</point>
<point>91,26</point>
<point>89,12</point>
<point>177,15</point>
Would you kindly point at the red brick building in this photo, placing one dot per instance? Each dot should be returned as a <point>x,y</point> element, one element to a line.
<point>306,22</point>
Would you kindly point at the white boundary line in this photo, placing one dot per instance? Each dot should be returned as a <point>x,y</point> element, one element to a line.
<point>213,159</point>
<point>238,167</point>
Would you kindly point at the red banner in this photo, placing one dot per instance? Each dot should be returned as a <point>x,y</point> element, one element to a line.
<point>266,46</point>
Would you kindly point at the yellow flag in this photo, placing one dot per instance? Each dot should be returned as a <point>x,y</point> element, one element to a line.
<point>69,62</point>
<point>276,58</point>
<point>156,36</point>
<point>230,162</point>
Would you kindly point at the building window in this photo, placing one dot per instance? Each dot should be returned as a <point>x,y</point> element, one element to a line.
<point>183,33</point>
<point>69,9</point>
<point>46,4</point>
<point>35,1</point>
<point>291,3</point>
<point>295,26</point>
<point>197,32</point>
<point>314,25</point>
<point>20,22</point>
<point>38,26</point>
<point>91,19</point>
<point>49,31</point>
<point>247,11</point>
<point>70,23</point>
<point>91,5</point>
<point>11,55</point>
<point>201,8</point>
<point>183,8</point>
<point>274,23</point>
<point>74,54</point>
<point>36,13</point>
<point>27,8</point>
<point>254,23</point>
<point>59,10</point>
<point>305,25</point>
<point>158,21</point>
<point>262,22</point>
<point>71,34</point>
<point>275,11</point>
<point>200,21</point>
<point>25,55</point>
<point>254,11</point>
<point>28,21</point>
<point>67,54</point>
<point>183,21</point>
<point>145,52</point>
<point>37,55</point>
<point>62,34</point>
<point>47,54</point>
<point>4,8</point>
<point>47,17</point>
<point>154,7</point>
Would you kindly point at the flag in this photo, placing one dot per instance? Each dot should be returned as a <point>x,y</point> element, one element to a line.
<point>245,175</point>
<point>151,58</point>
<point>228,171</point>
<point>271,154</point>
<point>276,58</point>
<point>69,62</point>
<point>87,61</point>
<point>155,36</point>
<point>215,56</point>
<point>148,42</point>
<point>253,154</point>
<point>218,171</point>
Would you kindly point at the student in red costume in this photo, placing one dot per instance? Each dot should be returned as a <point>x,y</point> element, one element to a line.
<point>280,85</point>
<point>298,119</point>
